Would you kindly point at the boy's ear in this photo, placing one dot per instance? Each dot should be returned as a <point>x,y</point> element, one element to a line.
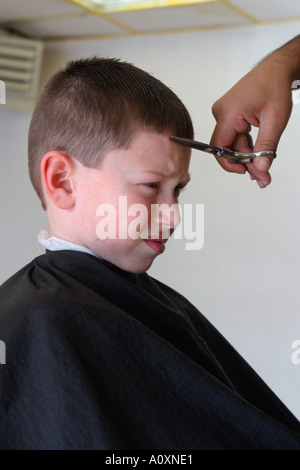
<point>57,172</point>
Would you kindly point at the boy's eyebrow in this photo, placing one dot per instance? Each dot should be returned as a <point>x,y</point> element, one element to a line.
<point>166,175</point>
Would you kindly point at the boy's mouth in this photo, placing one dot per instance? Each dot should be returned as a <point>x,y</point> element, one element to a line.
<point>156,244</point>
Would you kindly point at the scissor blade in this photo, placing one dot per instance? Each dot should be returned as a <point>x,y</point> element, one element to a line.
<point>193,144</point>
<point>217,151</point>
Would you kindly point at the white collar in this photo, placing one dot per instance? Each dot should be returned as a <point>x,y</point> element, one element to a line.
<point>58,244</point>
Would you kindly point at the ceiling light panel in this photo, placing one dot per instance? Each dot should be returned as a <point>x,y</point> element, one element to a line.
<point>108,6</point>
<point>204,15</point>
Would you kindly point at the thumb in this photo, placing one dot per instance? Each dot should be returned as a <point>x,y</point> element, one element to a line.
<point>267,139</point>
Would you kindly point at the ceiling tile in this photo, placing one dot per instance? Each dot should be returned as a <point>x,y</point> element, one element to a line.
<point>180,17</point>
<point>22,9</point>
<point>270,9</point>
<point>86,25</point>
<point>62,18</point>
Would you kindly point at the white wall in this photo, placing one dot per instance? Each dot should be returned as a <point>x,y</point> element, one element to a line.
<point>245,279</point>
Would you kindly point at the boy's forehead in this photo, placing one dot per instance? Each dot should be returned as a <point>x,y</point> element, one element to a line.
<point>149,137</point>
<point>153,146</point>
<point>159,155</point>
<point>151,152</point>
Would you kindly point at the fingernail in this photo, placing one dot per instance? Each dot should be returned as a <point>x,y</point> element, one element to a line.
<point>264,163</point>
<point>252,177</point>
<point>261,183</point>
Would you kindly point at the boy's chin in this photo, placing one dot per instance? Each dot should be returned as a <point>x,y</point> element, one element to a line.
<point>137,260</point>
<point>135,266</point>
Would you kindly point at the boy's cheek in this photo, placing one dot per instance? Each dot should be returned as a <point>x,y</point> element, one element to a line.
<point>122,220</point>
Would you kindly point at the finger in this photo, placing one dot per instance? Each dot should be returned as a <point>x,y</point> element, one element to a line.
<point>231,167</point>
<point>249,141</point>
<point>243,143</point>
<point>263,163</point>
<point>263,178</point>
<point>225,135</point>
<point>227,130</point>
<point>267,139</point>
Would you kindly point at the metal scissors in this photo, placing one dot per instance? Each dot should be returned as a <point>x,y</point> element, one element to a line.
<point>235,157</point>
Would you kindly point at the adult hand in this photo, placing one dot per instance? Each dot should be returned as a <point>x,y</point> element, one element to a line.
<point>262,98</point>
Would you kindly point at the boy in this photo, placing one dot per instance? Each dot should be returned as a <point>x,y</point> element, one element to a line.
<point>99,354</point>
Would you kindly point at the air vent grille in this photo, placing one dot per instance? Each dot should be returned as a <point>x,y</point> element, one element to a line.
<point>20,63</point>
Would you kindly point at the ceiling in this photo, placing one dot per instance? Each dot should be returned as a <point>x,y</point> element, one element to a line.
<point>65,19</point>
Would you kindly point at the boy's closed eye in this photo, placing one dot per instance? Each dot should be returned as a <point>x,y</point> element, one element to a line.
<point>153,185</point>
<point>178,189</point>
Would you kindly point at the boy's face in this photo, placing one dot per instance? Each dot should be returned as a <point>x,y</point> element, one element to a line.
<point>123,208</point>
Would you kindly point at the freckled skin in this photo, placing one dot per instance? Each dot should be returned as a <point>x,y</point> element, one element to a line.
<point>151,171</point>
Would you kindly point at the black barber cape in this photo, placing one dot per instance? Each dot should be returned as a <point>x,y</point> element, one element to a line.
<point>98,358</point>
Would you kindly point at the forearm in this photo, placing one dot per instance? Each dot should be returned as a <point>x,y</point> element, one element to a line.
<point>285,59</point>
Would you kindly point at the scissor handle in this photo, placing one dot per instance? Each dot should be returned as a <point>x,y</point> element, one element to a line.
<point>239,157</point>
<point>244,157</point>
